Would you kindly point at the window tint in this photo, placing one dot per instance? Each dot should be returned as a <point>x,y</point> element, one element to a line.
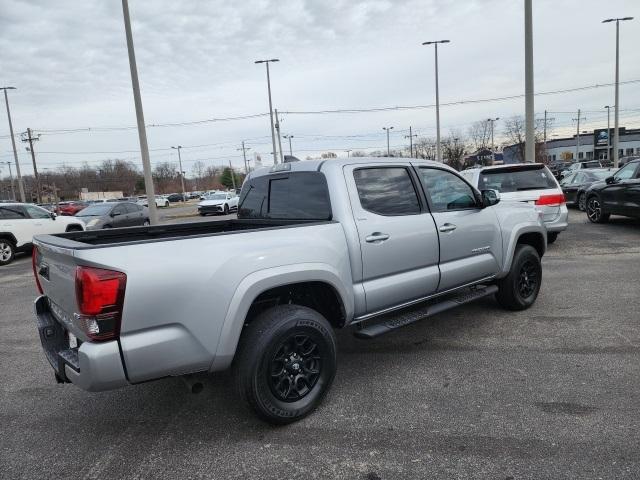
<point>446,190</point>
<point>293,196</point>
<point>387,191</point>
<point>579,178</point>
<point>13,212</point>
<point>626,172</point>
<point>517,179</point>
<point>36,212</point>
<point>120,209</point>
<point>131,208</point>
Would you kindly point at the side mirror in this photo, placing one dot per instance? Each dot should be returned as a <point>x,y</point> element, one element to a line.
<point>53,215</point>
<point>610,180</point>
<point>490,197</point>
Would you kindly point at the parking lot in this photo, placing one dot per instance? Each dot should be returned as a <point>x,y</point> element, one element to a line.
<point>477,392</point>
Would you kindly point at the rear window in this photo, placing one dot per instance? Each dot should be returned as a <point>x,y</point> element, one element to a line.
<point>291,196</point>
<point>516,180</point>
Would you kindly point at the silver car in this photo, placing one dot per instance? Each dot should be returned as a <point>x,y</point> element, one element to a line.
<point>526,182</point>
<point>114,215</point>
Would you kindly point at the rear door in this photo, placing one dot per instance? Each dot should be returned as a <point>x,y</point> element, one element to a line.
<point>398,238</point>
<point>119,216</point>
<point>570,185</point>
<point>134,214</point>
<point>470,238</point>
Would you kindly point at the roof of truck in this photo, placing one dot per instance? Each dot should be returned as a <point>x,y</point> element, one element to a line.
<point>317,165</point>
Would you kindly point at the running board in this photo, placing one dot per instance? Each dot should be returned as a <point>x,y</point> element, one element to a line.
<point>412,315</point>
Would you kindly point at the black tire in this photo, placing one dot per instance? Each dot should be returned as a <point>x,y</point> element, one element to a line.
<point>299,344</point>
<point>74,228</point>
<point>203,214</point>
<point>581,202</point>
<point>520,288</point>
<point>108,226</point>
<point>226,209</point>
<point>594,210</point>
<point>552,237</point>
<point>146,222</point>
<point>7,251</point>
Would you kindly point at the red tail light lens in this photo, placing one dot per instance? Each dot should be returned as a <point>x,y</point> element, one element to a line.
<point>554,200</point>
<point>100,295</point>
<point>35,263</point>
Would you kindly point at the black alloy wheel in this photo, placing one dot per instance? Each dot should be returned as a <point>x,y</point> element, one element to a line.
<point>295,368</point>
<point>594,211</point>
<point>582,202</point>
<point>527,280</point>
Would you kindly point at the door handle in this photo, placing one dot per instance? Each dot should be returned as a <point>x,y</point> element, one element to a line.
<point>447,227</point>
<point>377,237</point>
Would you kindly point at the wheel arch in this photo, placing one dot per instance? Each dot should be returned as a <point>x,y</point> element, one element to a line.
<point>531,235</point>
<point>309,285</point>
<point>9,236</point>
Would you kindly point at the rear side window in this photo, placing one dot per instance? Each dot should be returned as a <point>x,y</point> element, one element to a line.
<point>516,180</point>
<point>292,196</point>
<point>387,191</point>
<point>12,213</point>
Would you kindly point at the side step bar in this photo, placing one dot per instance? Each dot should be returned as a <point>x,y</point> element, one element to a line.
<point>396,320</point>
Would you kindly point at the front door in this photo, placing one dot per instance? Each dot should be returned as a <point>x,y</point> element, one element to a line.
<point>398,239</point>
<point>613,195</point>
<point>470,237</point>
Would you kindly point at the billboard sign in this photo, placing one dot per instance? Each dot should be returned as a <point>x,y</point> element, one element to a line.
<point>600,137</point>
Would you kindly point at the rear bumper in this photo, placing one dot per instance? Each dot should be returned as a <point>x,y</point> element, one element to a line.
<point>559,223</point>
<point>91,366</point>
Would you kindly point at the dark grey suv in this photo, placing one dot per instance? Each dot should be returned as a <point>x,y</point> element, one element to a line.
<point>114,215</point>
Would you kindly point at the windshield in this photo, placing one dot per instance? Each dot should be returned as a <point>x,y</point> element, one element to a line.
<point>217,196</point>
<point>95,210</point>
<point>516,180</point>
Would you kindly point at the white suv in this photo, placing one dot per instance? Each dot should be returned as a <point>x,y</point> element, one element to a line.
<point>19,222</point>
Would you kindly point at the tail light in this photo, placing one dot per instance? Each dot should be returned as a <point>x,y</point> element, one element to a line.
<point>100,296</point>
<point>554,200</point>
<point>35,263</point>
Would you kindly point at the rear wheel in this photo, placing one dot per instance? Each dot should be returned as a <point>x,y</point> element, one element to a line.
<point>74,228</point>
<point>7,251</point>
<point>519,289</point>
<point>285,363</point>
<point>582,202</point>
<point>594,211</point>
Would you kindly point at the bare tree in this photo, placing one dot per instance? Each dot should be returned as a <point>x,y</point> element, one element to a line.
<point>454,150</point>
<point>480,134</point>
<point>514,131</point>
<point>359,153</point>
<point>425,147</point>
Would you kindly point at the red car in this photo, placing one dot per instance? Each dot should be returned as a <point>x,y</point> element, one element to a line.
<point>70,208</point>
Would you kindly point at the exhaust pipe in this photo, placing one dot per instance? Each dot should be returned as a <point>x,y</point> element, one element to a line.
<point>193,384</point>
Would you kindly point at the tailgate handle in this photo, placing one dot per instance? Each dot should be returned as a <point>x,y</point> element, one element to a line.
<point>43,271</point>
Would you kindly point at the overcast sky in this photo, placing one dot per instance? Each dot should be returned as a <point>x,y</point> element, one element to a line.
<point>68,60</point>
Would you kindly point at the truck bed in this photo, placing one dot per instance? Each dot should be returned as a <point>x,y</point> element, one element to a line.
<point>157,233</point>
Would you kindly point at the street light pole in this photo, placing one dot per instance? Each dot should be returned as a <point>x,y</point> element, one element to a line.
<point>492,121</point>
<point>13,143</point>
<point>438,146</point>
<point>530,142</point>
<point>388,129</point>
<point>142,133</point>
<point>608,132</point>
<point>289,137</point>
<point>181,172</point>
<point>244,155</point>
<point>273,131</point>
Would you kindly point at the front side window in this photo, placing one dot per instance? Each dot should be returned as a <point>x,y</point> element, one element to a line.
<point>626,172</point>
<point>387,191</point>
<point>37,212</point>
<point>447,191</point>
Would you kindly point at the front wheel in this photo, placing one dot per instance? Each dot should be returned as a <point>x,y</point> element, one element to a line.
<point>519,289</point>
<point>146,223</point>
<point>552,237</point>
<point>594,211</point>
<point>226,209</point>
<point>7,251</point>
<point>285,363</point>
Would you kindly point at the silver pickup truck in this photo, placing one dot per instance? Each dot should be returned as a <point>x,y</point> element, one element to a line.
<point>367,243</point>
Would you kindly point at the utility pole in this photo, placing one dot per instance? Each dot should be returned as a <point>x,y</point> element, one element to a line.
<point>289,137</point>
<point>410,137</point>
<point>577,135</point>
<point>142,133</point>
<point>30,139</point>
<point>13,143</point>
<point>273,133</point>
<point>608,132</point>
<point>388,129</point>
<point>438,146</point>
<point>348,153</point>
<point>13,190</point>
<point>244,155</point>
<point>233,176</point>
<point>530,140</point>
<point>178,148</point>
<point>616,136</point>
<point>279,137</point>
<point>492,121</point>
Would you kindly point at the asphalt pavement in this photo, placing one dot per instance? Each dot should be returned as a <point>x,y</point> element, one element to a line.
<point>478,392</point>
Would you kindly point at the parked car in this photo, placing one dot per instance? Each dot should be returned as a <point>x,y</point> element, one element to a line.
<point>177,197</point>
<point>557,167</point>
<point>161,201</point>
<point>526,182</point>
<point>193,195</point>
<point>582,165</point>
<point>114,215</point>
<point>19,222</point>
<point>70,208</point>
<point>47,206</point>
<point>624,160</point>
<point>574,186</point>
<point>618,194</point>
<point>219,203</point>
<point>369,242</point>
